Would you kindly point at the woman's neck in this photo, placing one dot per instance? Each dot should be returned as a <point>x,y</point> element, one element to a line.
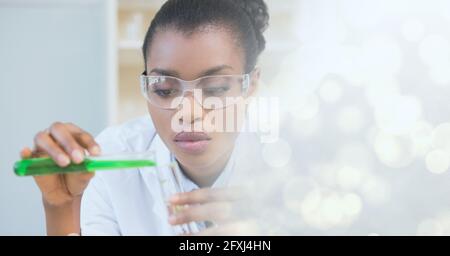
<point>201,177</point>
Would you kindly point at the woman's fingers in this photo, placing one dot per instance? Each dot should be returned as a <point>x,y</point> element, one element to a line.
<point>240,228</point>
<point>26,153</point>
<point>74,140</point>
<point>204,204</point>
<point>44,142</point>
<point>88,142</point>
<point>84,139</point>
<point>64,143</point>
<point>62,135</point>
<point>215,212</point>
<point>204,195</point>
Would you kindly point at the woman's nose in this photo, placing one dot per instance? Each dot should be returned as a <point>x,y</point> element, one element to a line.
<point>192,109</point>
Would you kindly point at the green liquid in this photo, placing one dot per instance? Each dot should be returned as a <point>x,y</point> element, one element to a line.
<point>46,166</point>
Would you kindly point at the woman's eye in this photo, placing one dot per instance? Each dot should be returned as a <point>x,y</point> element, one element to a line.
<point>216,91</point>
<point>165,93</point>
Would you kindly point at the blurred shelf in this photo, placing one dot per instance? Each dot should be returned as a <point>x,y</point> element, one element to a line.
<point>130,58</point>
<point>130,45</point>
<point>140,4</point>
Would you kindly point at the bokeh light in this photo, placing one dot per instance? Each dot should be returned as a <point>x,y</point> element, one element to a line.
<point>437,161</point>
<point>438,225</point>
<point>277,154</point>
<point>350,119</point>
<point>325,209</point>
<point>393,151</point>
<point>376,191</point>
<point>441,137</point>
<point>364,108</point>
<point>421,136</point>
<point>398,114</point>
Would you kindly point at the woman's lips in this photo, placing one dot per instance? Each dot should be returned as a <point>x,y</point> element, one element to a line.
<point>192,142</point>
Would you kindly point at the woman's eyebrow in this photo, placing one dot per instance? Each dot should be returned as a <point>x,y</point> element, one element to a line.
<point>214,70</point>
<point>208,72</point>
<point>165,72</point>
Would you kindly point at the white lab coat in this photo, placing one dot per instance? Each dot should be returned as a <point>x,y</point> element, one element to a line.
<point>132,202</point>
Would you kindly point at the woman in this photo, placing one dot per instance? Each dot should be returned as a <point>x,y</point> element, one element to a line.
<point>191,46</point>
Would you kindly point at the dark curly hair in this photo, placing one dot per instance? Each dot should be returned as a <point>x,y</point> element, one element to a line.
<point>247,18</point>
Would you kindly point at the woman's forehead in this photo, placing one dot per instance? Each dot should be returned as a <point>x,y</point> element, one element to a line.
<point>191,54</point>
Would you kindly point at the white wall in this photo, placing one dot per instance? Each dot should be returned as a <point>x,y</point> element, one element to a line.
<point>54,66</point>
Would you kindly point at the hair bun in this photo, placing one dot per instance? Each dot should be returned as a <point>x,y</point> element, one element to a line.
<point>257,11</point>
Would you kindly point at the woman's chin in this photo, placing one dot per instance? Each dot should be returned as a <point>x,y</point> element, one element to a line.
<point>198,160</point>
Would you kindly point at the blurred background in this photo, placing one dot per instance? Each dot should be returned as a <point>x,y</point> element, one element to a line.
<point>364,88</point>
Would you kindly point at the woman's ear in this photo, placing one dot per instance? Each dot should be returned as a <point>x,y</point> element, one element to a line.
<point>254,81</point>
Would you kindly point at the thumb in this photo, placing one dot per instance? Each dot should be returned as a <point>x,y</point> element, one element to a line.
<point>26,153</point>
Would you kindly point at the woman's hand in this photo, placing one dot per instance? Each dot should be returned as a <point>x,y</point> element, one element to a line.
<point>61,193</point>
<point>216,206</point>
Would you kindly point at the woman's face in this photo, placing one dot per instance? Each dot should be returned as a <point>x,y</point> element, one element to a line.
<point>188,57</point>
